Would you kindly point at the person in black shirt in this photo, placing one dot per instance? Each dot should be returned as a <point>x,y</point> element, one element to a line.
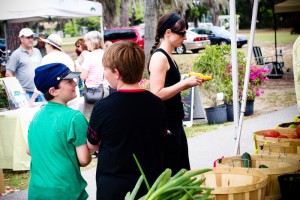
<point>129,121</point>
<point>166,83</point>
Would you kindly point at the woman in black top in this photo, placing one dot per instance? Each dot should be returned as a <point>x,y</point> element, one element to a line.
<point>165,83</point>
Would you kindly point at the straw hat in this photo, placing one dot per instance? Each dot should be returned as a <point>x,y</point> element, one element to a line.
<point>40,37</point>
<point>54,40</point>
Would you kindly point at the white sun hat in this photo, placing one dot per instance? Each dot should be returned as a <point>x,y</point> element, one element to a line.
<point>54,40</point>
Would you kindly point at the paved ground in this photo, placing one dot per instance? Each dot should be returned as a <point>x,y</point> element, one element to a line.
<point>207,147</point>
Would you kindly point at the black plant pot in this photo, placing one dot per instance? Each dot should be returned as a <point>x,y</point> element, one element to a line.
<point>248,111</point>
<point>216,115</point>
<point>249,108</point>
<point>229,110</point>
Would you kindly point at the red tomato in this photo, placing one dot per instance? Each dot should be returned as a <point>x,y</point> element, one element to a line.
<point>283,136</point>
<point>298,131</point>
<point>271,133</point>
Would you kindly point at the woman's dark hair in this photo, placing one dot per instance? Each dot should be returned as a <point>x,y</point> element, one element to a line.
<point>80,42</point>
<point>170,21</point>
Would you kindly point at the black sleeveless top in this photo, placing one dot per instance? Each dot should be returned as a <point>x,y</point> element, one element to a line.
<point>174,105</point>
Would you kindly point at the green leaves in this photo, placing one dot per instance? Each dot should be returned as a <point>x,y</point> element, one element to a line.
<point>216,61</point>
<point>183,185</point>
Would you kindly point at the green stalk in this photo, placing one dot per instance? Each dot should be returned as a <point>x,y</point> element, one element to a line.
<point>188,195</point>
<point>176,182</point>
<point>166,178</point>
<point>206,195</point>
<point>179,173</point>
<point>141,170</point>
<point>157,182</point>
<point>136,188</point>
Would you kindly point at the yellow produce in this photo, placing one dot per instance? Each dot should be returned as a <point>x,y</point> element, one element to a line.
<point>206,78</point>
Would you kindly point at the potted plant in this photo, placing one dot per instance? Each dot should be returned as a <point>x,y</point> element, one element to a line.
<point>258,76</point>
<point>3,98</point>
<point>213,62</point>
<point>216,61</point>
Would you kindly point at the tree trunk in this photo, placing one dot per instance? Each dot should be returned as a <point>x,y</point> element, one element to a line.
<point>110,13</point>
<point>124,12</point>
<point>214,11</point>
<point>12,33</point>
<point>151,16</point>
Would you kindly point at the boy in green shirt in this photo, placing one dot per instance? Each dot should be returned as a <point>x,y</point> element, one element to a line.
<point>57,138</point>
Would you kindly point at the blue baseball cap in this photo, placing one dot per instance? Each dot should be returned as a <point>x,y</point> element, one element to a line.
<point>49,75</point>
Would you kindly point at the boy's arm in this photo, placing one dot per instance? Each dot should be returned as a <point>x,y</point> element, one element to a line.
<point>27,149</point>
<point>93,147</point>
<point>83,155</point>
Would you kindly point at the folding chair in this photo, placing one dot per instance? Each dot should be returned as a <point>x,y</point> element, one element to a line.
<point>269,62</point>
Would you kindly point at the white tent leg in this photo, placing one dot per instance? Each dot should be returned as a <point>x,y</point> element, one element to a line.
<point>234,64</point>
<point>247,75</point>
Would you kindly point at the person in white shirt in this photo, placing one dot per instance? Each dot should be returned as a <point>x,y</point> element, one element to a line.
<point>92,69</point>
<point>56,55</point>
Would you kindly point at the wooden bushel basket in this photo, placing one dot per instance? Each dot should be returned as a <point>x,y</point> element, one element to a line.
<point>236,183</point>
<point>277,166</point>
<point>285,129</point>
<point>270,145</point>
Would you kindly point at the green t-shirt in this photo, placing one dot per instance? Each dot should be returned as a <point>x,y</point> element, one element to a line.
<point>53,134</point>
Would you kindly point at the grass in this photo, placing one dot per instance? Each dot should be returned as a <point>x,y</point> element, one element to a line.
<point>18,180</point>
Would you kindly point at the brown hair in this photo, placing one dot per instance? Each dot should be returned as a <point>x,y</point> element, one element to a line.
<point>128,58</point>
<point>81,42</point>
<point>163,24</point>
<point>49,96</point>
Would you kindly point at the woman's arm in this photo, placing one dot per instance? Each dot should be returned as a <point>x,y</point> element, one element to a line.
<point>84,74</point>
<point>158,69</point>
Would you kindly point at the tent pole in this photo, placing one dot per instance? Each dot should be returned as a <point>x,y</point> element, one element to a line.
<point>275,27</point>
<point>247,75</point>
<point>235,99</point>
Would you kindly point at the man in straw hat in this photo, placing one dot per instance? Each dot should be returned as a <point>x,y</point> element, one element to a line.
<point>23,62</point>
<point>56,55</point>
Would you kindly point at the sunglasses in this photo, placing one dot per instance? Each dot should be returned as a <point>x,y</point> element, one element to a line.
<point>181,33</point>
<point>29,37</point>
<point>77,46</point>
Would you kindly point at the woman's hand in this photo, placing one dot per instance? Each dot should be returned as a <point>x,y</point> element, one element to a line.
<point>193,81</point>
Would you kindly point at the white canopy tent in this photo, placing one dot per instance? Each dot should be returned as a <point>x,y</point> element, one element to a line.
<point>35,10</point>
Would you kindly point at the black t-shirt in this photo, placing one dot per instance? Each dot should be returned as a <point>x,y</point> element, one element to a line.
<point>127,123</point>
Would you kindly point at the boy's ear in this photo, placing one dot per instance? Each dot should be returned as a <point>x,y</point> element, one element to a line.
<point>52,91</point>
<point>117,74</point>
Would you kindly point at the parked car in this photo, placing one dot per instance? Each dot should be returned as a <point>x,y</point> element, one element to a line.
<point>125,34</point>
<point>193,42</point>
<point>218,35</point>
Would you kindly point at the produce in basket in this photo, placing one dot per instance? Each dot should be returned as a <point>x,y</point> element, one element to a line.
<point>183,185</point>
<point>271,133</point>
<point>298,131</point>
<point>247,160</point>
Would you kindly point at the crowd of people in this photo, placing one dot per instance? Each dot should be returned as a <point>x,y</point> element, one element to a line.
<point>128,120</point>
